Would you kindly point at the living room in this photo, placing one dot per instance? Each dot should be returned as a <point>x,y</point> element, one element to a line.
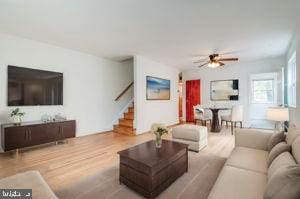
<point>136,99</point>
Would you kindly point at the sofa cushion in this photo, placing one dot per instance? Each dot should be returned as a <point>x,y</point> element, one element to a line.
<point>285,183</point>
<point>29,180</point>
<point>292,134</point>
<point>235,183</point>
<point>252,138</point>
<point>275,139</point>
<point>248,158</point>
<point>283,160</point>
<point>296,149</point>
<point>190,132</point>
<point>277,150</point>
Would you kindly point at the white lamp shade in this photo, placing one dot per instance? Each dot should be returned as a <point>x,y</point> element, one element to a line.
<point>279,114</point>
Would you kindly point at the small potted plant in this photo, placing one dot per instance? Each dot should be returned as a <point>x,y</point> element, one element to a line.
<point>16,116</point>
<point>159,130</point>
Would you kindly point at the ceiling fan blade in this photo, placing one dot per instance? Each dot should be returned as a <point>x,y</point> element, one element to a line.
<point>229,52</point>
<point>200,55</point>
<point>221,64</point>
<point>203,64</point>
<point>229,59</point>
<point>200,61</point>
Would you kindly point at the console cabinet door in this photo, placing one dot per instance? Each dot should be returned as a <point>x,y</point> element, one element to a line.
<point>15,138</point>
<point>67,129</point>
<point>53,132</point>
<point>38,135</point>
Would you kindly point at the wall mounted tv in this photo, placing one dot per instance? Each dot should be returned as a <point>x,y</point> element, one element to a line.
<point>30,87</point>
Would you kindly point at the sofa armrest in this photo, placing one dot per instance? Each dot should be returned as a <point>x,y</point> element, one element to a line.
<point>252,139</point>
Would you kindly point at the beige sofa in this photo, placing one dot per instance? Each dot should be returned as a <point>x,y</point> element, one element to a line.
<point>246,173</point>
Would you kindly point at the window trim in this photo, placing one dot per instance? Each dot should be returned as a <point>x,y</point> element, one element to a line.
<point>292,65</point>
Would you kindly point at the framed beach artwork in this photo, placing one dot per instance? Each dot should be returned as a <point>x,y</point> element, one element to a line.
<point>224,90</point>
<point>157,88</point>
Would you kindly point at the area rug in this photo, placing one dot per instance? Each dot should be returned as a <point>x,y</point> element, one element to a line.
<point>196,183</point>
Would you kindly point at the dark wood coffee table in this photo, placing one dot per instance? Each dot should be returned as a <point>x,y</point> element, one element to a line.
<point>149,170</point>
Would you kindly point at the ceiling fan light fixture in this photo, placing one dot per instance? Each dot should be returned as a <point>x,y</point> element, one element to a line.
<point>213,64</point>
<point>215,61</point>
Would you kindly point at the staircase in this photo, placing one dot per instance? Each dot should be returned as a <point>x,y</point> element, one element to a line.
<point>125,125</point>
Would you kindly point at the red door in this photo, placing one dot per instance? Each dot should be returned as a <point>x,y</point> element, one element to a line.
<point>192,98</point>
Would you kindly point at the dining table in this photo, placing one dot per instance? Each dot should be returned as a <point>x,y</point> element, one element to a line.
<point>215,124</point>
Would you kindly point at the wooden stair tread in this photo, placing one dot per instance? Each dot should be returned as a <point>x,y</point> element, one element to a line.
<point>128,115</point>
<point>125,125</point>
<point>126,122</point>
<point>124,130</point>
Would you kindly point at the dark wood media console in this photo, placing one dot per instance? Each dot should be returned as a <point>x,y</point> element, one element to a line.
<point>29,134</point>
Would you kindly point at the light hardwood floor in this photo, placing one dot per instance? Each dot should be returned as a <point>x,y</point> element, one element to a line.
<point>63,164</point>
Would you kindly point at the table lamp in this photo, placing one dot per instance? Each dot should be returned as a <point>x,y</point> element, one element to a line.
<point>279,115</point>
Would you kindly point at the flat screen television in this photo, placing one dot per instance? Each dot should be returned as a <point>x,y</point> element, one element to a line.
<point>31,87</point>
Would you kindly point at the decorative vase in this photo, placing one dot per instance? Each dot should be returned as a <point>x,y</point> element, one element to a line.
<point>17,120</point>
<point>158,142</point>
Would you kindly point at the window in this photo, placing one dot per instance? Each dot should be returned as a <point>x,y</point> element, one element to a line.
<point>263,91</point>
<point>291,90</point>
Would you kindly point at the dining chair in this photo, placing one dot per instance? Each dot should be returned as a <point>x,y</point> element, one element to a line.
<point>201,115</point>
<point>236,116</point>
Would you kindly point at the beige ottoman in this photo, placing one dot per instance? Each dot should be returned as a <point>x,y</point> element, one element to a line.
<point>193,135</point>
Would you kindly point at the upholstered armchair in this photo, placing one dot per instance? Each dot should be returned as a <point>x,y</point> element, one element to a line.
<point>200,115</point>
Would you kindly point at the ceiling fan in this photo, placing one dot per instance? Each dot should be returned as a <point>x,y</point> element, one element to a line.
<point>215,61</point>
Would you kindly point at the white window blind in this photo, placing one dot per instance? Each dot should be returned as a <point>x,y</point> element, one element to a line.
<point>263,91</point>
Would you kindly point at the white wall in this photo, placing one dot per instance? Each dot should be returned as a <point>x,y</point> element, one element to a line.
<point>152,111</point>
<point>90,83</point>
<point>241,71</point>
<point>295,47</point>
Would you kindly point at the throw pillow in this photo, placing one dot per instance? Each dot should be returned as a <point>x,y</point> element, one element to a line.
<point>277,150</point>
<point>296,149</point>
<point>284,184</point>
<point>275,139</point>
<point>283,160</point>
<point>292,134</point>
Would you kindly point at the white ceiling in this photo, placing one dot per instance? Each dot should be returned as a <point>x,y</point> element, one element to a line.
<point>169,31</point>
